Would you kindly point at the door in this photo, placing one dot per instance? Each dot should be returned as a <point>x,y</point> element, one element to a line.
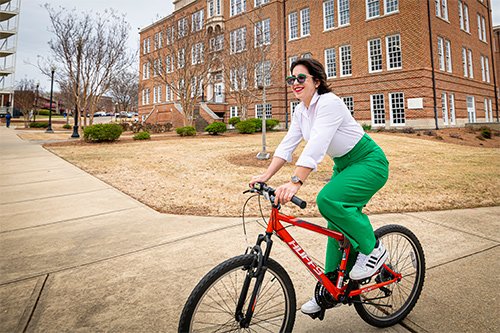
<point>218,92</point>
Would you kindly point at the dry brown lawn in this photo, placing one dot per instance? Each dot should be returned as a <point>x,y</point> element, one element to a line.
<point>206,175</point>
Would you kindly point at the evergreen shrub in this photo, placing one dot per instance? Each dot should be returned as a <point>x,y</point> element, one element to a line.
<point>142,136</point>
<point>246,127</point>
<point>102,132</point>
<point>216,128</point>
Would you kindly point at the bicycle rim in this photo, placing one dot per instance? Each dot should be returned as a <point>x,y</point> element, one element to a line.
<point>211,306</point>
<point>406,257</point>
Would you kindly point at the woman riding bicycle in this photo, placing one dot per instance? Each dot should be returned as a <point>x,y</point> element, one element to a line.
<point>360,170</point>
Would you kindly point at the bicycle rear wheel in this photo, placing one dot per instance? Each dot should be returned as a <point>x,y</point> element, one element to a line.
<point>383,309</point>
<point>211,307</point>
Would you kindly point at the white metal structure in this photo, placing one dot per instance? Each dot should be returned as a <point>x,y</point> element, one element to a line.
<point>9,26</point>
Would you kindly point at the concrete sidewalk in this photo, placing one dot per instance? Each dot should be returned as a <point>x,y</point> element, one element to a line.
<point>77,255</point>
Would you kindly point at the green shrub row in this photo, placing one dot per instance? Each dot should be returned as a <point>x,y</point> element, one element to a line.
<point>102,132</point>
<point>216,128</point>
<point>253,125</point>
<point>142,136</point>
<point>39,125</point>
<point>186,131</point>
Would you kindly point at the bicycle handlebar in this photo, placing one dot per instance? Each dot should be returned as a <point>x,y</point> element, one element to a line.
<point>269,194</point>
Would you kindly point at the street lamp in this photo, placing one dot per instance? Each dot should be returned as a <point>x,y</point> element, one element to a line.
<point>78,55</point>
<point>49,129</point>
<point>36,101</point>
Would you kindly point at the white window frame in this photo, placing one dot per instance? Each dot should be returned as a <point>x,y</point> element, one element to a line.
<point>447,45</point>
<point>159,94</point>
<point>464,62</point>
<point>262,33</point>
<point>260,2</point>
<point>305,22</point>
<point>441,53</point>
<point>390,52</point>
<point>182,27</point>
<point>238,40</point>
<point>377,109</point>
<point>471,67</point>
<point>375,57</point>
<point>343,10</point>
<point>328,15</point>
<point>197,20</point>
<point>331,63</point>
<point>262,68</point>
<point>396,7</point>
<point>372,9</point>
<point>233,111</point>
<point>487,66</point>
<point>452,108</point>
<point>483,70</point>
<point>259,109</point>
<point>293,106</point>
<point>471,110</point>
<point>395,114</point>
<point>293,26</point>
<point>345,64</point>
<point>444,107</point>
<point>349,103</point>
<point>197,53</point>
<point>237,7</point>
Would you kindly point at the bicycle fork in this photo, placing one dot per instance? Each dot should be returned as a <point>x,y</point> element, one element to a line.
<point>259,264</point>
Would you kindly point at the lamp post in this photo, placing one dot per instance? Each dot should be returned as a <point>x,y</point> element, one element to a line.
<point>49,129</point>
<point>36,101</point>
<point>78,55</point>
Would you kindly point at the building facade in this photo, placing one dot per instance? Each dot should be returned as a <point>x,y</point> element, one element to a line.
<point>423,64</point>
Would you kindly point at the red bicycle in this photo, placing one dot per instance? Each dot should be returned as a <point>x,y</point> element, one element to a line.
<point>253,292</point>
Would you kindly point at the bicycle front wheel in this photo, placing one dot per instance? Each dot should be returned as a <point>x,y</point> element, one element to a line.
<point>389,305</point>
<point>211,307</point>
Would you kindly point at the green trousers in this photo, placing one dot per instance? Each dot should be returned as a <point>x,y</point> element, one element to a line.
<point>357,176</point>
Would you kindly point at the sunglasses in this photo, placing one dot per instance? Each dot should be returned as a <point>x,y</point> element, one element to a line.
<point>301,78</point>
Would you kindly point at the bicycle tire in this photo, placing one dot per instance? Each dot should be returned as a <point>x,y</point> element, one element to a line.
<point>406,256</point>
<point>211,305</point>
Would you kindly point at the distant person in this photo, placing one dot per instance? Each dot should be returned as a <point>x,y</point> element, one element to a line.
<point>7,118</point>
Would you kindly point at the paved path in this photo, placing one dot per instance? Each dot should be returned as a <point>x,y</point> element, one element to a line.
<point>77,255</point>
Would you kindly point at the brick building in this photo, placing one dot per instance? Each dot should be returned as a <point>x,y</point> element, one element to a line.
<point>423,64</point>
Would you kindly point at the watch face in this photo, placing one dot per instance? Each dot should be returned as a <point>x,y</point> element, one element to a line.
<point>295,179</point>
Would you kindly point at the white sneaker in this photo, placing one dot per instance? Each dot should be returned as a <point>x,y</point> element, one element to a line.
<point>367,265</point>
<point>310,307</point>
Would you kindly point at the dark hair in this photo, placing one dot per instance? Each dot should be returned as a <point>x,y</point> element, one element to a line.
<point>316,69</point>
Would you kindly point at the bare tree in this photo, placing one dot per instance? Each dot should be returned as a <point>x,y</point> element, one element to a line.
<point>24,95</point>
<point>251,60</point>
<point>124,90</point>
<point>179,61</point>
<point>89,50</point>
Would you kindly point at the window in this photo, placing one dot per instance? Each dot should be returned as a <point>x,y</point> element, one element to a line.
<point>463,15</point>
<point>210,10</point>
<point>349,103</point>
<point>197,54</point>
<point>330,62</point>
<point>147,96</point>
<point>159,94</point>
<point>293,106</point>
<point>391,6</point>
<point>145,71</point>
<point>304,22</point>
<point>258,111</point>
<point>292,59</point>
<point>448,55</point>
<point>441,53</point>
<point>217,43</point>
<point>377,109</point>
<point>393,52</point>
<point>262,33</point>
<point>372,8</point>
<point>444,108</point>
<point>464,61</point>
<point>169,62</point>
<point>263,74</point>
<point>197,20</point>
<point>375,55</point>
<point>293,26</point>
<point>149,44</point>
<point>238,78</point>
<point>442,9</point>
<point>182,27</point>
<point>306,56</point>
<point>452,108</point>
<point>260,2</point>
<point>160,39</point>
<point>145,46</point>
<point>238,7</point>
<point>345,60</point>
<point>214,8</point>
<point>233,111</point>
<point>154,95</point>
<point>170,35</point>
<point>471,70</point>
<point>487,69</point>
<point>397,108</point>
<point>471,109</point>
<point>328,15</point>
<point>238,40</point>
<point>481,28</point>
<point>483,69</point>
<point>181,59</point>
<point>155,43</point>
<point>343,12</point>
<point>143,97</point>
<point>167,93</point>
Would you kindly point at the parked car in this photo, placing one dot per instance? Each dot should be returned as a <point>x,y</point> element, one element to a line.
<point>100,114</point>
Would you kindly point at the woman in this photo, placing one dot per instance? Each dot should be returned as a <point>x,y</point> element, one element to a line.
<point>360,169</point>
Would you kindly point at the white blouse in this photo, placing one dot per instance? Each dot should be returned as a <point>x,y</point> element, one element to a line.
<point>328,128</point>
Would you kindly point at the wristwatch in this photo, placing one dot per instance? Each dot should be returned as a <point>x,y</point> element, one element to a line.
<point>296,180</point>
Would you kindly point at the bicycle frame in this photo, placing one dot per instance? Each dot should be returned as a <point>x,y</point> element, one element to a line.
<point>338,291</point>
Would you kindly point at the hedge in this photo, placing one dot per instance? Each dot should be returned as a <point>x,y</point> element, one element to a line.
<point>102,132</point>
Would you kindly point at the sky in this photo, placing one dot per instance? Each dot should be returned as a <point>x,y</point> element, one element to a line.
<point>34,26</point>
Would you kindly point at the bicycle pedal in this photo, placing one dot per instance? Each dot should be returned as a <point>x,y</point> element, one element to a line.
<point>320,314</point>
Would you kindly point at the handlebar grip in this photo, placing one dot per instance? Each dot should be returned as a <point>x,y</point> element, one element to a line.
<point>299,202</point>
